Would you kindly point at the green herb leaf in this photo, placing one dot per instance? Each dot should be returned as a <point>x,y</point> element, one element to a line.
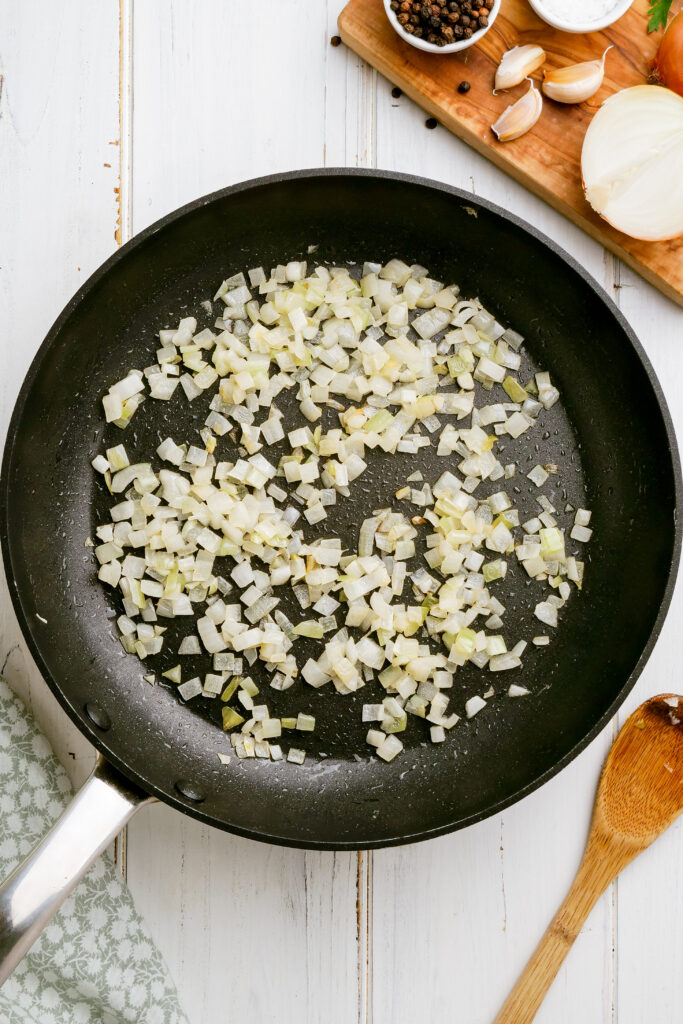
<point>659,13</point>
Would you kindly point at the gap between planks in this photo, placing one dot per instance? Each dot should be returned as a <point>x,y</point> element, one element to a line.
<point>123,228</point>
<point>365,155</point>
<point>364,935</point>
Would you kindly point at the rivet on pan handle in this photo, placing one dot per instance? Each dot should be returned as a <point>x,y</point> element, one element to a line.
<point>36,889</point>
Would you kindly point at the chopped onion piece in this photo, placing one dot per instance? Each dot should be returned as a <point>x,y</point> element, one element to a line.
<point>474,705</point>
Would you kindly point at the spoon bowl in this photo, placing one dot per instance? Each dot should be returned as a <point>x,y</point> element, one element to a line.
<point>641,788</point>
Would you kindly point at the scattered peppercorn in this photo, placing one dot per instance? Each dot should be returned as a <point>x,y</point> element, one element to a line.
<point>336,40</point>
<point>464,87</point>
<point>431,122</point>
<point>396,92</point>
<point>441,22</point>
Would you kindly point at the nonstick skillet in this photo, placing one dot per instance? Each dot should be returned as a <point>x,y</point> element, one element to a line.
<point>611,436</point>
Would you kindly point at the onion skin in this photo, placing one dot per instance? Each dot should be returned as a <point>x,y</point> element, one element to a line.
<point>667,65</point>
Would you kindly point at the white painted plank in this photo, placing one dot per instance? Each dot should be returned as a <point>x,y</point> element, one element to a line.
<point>59,165</point>
<point>221,96</point>
<point>455,920</point>
<point>650,892</point>
<point>350,98</point>
<point>250,931</point>
<point>477,902</point>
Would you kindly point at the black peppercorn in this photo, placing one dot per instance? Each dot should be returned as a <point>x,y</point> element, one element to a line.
<point>431,122</point>
<point>335,41</point>
<point>440,22</point>
<point>464,87</point>
<point>396,92</point>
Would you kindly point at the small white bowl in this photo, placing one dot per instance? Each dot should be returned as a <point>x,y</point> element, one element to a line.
<point>617,11</point>
<point>422,44</point>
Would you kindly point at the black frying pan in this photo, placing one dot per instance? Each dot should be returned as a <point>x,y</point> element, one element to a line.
<point>611,436</point>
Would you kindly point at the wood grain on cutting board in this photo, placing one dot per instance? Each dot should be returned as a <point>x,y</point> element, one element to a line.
<point>546,159</point>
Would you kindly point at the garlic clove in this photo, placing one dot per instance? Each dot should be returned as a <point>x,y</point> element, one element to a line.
<point>575,83</point>
<point>517,64</point>
<point>519,117</point>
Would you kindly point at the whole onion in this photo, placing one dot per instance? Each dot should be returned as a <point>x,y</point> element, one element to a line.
<point>667,65</point>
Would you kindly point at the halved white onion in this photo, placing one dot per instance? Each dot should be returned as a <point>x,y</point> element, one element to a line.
<point>632,162</point>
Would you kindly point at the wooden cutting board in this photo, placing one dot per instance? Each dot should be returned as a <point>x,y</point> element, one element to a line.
<point>546,159</point>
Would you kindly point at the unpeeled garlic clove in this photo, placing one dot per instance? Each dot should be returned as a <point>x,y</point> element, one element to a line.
<point>576,83</point>
<point>519,117</point>
<point>517,64</point>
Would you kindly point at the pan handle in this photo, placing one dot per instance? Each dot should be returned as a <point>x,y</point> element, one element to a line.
<point>36,889</point>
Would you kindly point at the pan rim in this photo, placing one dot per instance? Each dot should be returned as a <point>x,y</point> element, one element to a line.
<point>120,254</point>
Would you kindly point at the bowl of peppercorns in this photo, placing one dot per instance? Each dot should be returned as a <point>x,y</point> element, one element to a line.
<point>442,26</point>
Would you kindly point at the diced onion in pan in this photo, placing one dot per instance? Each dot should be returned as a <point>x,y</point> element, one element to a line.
<point>227,527</point>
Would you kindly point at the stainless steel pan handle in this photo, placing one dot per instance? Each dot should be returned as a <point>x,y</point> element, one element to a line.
<point>36,889</point>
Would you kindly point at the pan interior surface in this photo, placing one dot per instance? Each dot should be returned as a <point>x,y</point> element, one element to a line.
<point>609,435</point>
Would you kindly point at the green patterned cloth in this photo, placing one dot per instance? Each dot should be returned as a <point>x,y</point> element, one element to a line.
<point>95,962</point>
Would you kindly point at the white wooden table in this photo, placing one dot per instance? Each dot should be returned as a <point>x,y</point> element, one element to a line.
<point>113,113</point>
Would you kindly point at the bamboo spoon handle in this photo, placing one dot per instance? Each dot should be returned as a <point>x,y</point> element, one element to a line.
<point>599,866</point>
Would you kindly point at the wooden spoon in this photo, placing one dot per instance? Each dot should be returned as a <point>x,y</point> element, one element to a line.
<point>640,794</point>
